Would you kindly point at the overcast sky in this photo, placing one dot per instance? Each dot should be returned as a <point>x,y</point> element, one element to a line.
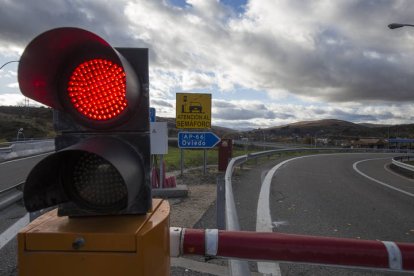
<point>265,63</point>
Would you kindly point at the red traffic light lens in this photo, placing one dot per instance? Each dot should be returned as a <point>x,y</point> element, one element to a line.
<point>97,89</point>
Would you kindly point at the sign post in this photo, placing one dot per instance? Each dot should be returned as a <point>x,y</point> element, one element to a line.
<point>197,140</point>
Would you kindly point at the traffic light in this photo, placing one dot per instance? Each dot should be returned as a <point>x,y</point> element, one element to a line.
<point>100,99</point>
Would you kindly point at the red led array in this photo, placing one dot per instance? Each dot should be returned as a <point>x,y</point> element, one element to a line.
<point>97,89</point>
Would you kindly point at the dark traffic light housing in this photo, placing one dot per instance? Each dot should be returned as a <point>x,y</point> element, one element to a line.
<point>100,98</point>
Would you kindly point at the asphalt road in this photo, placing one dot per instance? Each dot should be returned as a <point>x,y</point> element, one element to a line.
<point>15,171</point>
<point>324,195</point>
<point>318,195</point>
<point>11,173</point>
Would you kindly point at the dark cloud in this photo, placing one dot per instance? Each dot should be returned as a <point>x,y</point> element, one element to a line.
<point>235,111</point>
<point>161,103</point>
<point>331,52</point>
<point>223,104</point>
<point>21,21</point>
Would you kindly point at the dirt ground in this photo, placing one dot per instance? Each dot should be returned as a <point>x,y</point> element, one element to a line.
<point>185,212</point>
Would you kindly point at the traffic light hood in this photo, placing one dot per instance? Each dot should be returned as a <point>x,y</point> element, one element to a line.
<point>59,63</point>
<point>100,174</point>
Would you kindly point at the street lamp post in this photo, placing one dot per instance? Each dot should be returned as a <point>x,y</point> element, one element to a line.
<point>1,67</point>
<point>20,133</point>
<point>399,25</point>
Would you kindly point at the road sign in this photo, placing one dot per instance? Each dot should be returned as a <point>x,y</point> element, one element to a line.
<point>159,138</point>
<point>152,114</point>
<point>197,140</point>
<point>193,111</point>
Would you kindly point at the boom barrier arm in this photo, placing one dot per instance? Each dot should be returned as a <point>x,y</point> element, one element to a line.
<point>371,254</point>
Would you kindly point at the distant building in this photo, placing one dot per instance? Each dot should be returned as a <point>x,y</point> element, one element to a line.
<point>374,143</point>
<point>401,143</point>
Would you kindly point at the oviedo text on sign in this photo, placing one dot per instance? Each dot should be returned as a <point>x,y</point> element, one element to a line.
<point>200,140</point>
<point>193,111</point>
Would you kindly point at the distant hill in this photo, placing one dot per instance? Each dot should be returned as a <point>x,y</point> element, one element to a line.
<point>36,122</point>
<point>327,127</point>
<point>320,124</point>
<point>334,129</point>
<point>375,125</point>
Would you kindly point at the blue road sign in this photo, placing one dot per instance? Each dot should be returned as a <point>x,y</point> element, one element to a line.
<point>197,140</point>
<point>152,114</point>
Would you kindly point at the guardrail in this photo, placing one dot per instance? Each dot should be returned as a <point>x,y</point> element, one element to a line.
<point>399,162</point>
<point>13,150</point>
<point>239,267</point>
<point>8,197</point>
<point>6,149</point>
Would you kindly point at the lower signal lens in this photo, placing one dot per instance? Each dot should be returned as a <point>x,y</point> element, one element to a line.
<point>97,183</point>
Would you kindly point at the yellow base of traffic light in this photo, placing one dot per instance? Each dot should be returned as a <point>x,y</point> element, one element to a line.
<point>107,245</point>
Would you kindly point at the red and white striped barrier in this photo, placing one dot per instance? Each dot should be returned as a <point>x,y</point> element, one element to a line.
<point>293,248</point>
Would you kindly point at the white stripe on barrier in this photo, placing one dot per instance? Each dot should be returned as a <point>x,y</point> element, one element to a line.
<point>175,241</point>
<point>211,236</point>
<point>394,255</point>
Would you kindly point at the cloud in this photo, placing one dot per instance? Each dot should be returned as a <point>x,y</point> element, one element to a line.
<point>8,74</point>
<point>161,103</point>
<point>13,85</point>
<point>194,80</point>
<point>325,55</point>
<point>333,52</point>
<point>11,99</point>
<point>243,110</point>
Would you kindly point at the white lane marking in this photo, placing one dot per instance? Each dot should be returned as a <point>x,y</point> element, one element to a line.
<point>376,180</point>
<point>24,158</point>
<point>11,232</point>
<point>264,219</point>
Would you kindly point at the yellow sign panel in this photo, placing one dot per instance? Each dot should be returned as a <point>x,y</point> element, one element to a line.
<point>193,110</point>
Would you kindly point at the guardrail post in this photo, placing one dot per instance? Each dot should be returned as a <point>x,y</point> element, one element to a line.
<point>221,203</point>
<point>181,161</point>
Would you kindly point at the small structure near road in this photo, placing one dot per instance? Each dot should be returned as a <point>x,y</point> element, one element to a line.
<point>374,143</point>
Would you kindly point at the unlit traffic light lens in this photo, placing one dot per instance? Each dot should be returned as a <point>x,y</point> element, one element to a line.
<point>97,89</point>
<point>98,183</point>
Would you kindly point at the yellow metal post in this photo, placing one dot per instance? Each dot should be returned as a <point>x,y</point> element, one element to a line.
<point>108,245</point>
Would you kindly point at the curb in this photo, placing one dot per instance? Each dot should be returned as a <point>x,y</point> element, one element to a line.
<point>179,191</point>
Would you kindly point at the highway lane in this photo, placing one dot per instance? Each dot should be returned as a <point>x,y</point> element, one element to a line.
<point>15,171</point>
<point>324,195</point>
<point>11,173</point>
